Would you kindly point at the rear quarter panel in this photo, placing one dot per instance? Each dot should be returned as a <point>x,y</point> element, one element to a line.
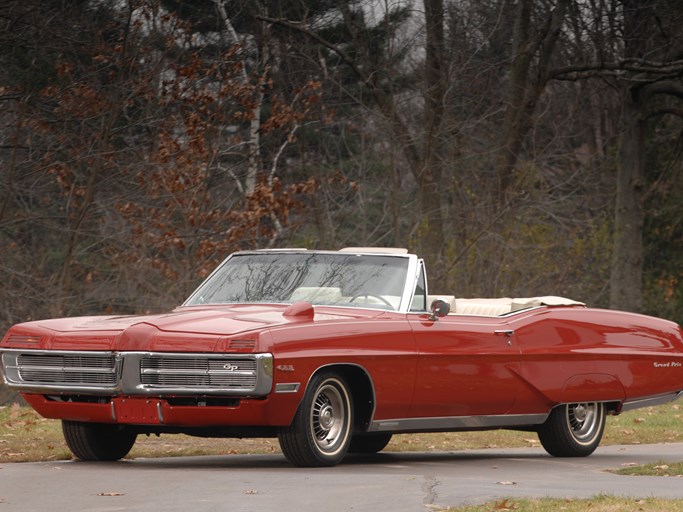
<point>580,354</point>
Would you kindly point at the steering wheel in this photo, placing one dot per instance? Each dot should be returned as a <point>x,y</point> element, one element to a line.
<point>367,295</point>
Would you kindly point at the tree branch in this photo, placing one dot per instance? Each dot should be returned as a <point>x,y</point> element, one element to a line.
<point>551,34</point>
<point>587,70</point>
<point>665,87</point>
<point>383,100</point>
<point>304,30</point>
<point>664,111</point>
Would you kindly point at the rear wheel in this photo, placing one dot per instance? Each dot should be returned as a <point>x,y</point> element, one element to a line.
<point>97,441</point>
<point>573,430</point>
<point>369,443</point>
<point>321,430</point>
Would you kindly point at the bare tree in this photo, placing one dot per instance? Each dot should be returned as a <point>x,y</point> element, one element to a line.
<point>649,68</point>
<point>534,43</point>
<point>422,149</point>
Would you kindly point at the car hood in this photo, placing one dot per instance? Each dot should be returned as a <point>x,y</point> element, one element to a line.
<point>219,320</point>
<point>220,328</point>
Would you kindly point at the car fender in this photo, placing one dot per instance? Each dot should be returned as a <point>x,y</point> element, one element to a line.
<point>590,387</point>
<point>361,386</point>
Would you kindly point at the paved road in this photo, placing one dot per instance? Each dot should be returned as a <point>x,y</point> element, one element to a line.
<point>396,482</point>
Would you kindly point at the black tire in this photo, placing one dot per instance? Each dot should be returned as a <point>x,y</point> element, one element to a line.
<point>321,430</point>
<point>573,430</point>
<point>97,441</point>
<point>369,443</point>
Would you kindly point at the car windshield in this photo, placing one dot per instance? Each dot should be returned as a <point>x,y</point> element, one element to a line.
<point>375,281</point>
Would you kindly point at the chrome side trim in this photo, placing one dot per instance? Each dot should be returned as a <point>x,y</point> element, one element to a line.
<point>650,401</point>
<point>456,423</point>
<point>287,387</point>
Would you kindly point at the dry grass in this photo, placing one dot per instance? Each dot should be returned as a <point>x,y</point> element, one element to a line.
<point>597,504</point>
<point>659,468</point>
<point>24,436</point>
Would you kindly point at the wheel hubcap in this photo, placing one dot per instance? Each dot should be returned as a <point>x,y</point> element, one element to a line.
<point>328,418</point>
<point>580,413</point>
<point>584,420</point>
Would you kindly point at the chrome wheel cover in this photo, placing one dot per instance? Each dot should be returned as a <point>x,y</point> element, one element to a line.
<point>584,420</point>
<point>329,418</point>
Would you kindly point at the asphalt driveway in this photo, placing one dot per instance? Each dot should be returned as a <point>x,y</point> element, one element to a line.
<point>396,482</point>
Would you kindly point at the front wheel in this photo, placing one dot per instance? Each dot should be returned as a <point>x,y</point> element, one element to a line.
<point>573,430</point>
<point>321,430</point>
<point>98,441</point>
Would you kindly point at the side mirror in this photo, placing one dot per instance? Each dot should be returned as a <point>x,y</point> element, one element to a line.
<point>439,308</point>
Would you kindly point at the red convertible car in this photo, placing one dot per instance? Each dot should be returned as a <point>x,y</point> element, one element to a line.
<point>335,351</point>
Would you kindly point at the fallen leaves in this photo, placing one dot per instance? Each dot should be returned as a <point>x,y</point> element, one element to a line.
<point>504,505</point>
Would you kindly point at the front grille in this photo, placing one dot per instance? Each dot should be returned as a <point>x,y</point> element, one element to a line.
<point>198,371</point>
<point>67,369</point>
<point>137,373</point>
<point>68,361</point>
<point>66,377</point>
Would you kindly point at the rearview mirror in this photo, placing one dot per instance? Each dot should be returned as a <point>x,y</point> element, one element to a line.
<point>439,308</point>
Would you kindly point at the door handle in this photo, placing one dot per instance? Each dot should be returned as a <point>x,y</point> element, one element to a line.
<point>507,333</point>
<point>504,332</point>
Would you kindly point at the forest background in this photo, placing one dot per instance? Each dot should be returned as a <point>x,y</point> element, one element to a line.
<point>522,147</point>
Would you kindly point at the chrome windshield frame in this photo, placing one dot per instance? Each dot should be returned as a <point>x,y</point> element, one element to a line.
<point>412,273</point>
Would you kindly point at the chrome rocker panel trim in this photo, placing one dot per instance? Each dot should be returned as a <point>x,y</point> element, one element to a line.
<point>456,423</point>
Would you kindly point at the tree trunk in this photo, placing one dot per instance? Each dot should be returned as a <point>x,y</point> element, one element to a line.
<point>254,140</point>
<point>429,175</point>
<point>627,246</point>
<point>626,278</point>
<point>529,74</point>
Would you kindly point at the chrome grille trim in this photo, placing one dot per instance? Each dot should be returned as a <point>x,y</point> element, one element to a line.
<point>67,371</point>
<point>137,373</point>
<point>202,372</point>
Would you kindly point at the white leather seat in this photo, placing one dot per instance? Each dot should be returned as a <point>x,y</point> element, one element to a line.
<point>483,307</point>
<point>501,306</point>
<point>326,294</point>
